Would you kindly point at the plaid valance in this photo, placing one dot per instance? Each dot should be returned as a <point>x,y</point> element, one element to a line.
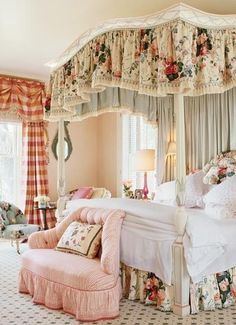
<point>21,99</point>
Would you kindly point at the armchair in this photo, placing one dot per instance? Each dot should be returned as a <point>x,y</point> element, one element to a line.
<point>13,224</point>
<point>90,289</point>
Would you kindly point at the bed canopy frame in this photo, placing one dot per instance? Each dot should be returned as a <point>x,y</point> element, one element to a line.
<point>180,51</point>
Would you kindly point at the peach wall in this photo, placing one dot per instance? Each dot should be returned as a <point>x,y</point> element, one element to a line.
<point>108,152</point>
<point>81,168</point>
<point>95,157</point>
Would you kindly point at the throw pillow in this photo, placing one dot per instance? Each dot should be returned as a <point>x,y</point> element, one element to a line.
<point>83,193</point>
<point>223,195</point>
<point>165,192</point>
<point>82,239</point>
<point>100,193</point>
<point>195,190</point>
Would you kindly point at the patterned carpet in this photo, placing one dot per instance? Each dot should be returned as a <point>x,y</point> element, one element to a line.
<point>17,309</point>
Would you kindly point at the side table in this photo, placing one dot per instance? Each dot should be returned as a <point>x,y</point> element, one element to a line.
<point>45,225</point>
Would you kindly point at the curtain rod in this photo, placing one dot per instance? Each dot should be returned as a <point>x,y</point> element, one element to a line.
<point>20,78</point>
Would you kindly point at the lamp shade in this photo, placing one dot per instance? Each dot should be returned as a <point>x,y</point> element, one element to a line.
<point>171,148</point>
<point>144,160</point>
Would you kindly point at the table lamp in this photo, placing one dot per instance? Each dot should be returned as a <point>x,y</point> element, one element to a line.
<point>144,162</point>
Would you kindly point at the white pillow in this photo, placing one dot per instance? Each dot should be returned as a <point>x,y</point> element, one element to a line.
<point>195,190</point>
<point>223,195</point>
<point>165,194</point>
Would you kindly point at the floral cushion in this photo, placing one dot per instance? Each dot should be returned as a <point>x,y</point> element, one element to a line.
<point>82,239</point>
<point>11,214</point>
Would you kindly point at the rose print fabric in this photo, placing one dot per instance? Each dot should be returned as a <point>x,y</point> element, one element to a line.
<point>213,292</point>
<point>170,58</point>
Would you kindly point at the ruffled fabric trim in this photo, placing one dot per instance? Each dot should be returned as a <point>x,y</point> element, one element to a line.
<point>85,305</point>
<point>163,59</point>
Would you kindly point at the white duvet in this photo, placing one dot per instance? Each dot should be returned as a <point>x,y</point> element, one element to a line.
<point>209,244</point>
<point>148,233</point>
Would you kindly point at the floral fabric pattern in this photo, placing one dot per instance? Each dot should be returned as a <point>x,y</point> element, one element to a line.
<point>219,168</point>
<point>213,292</point>
<point>146,287</point>
<point>10,214</point>
<point>82,239</point>
<point>169,58</point>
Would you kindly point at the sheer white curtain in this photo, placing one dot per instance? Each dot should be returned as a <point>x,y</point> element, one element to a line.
<point>11,171</point>
<point>210,122</point>
<point>136,135</point>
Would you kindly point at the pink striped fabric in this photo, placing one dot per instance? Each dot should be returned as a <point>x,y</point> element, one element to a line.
<point>88,288</point>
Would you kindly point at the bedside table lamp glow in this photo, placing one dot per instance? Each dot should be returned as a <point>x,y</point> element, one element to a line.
<point>144,162</point>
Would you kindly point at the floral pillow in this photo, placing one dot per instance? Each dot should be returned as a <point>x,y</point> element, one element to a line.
<point>221,167</point>
<point>81,239</point>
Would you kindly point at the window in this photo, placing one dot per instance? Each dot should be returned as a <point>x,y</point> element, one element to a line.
<point>10,162</point>
<point>136,135</point>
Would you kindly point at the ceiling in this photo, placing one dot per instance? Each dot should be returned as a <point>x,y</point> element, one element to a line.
<point>33,32</point>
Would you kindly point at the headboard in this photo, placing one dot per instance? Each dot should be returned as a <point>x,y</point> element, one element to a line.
<point>61,203</point>
<point>220,167</point>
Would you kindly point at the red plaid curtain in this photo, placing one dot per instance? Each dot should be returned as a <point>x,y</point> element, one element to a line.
<point>26,100</point>
<point>37,176</point>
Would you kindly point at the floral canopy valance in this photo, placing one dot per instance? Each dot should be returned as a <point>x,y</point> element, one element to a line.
<point>180,50</point>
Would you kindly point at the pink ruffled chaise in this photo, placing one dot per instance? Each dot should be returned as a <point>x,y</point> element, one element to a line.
<point>90,289</point>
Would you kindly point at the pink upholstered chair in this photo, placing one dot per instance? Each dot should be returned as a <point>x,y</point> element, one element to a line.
<point>90,289</point>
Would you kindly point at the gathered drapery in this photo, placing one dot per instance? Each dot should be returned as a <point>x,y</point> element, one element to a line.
<point>208,294</point>
<point>24,100</point>
<point>37,176</point>
<point>175,57</point>
<point>165,164</point>
<point>210,127</point>
<point>21,99</point>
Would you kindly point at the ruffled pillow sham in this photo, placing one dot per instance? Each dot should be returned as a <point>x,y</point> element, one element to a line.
<point>221,200</point>
<point>195,191</point>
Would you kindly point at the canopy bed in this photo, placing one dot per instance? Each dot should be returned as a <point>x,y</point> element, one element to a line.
<point>150,66</point>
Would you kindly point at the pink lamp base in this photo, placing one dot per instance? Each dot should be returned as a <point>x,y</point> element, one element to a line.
<point>145,188</point>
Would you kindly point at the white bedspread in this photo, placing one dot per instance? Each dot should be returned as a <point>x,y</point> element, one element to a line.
<point>147,235</point>
<point>149,231</point>
<point>209,245</point>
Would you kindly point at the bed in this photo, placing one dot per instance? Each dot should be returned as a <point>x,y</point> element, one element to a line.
<point>149,231</point>
<point>179,52</point>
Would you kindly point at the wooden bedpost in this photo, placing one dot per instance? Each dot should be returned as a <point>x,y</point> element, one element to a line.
<point>181,278</point>
<point>60,168</point>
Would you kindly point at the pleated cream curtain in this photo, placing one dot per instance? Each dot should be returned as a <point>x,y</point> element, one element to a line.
<point>210,122</point>
<point>165,165</point>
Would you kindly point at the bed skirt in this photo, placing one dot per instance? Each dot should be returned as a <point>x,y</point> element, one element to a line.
<point>213,292</point>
